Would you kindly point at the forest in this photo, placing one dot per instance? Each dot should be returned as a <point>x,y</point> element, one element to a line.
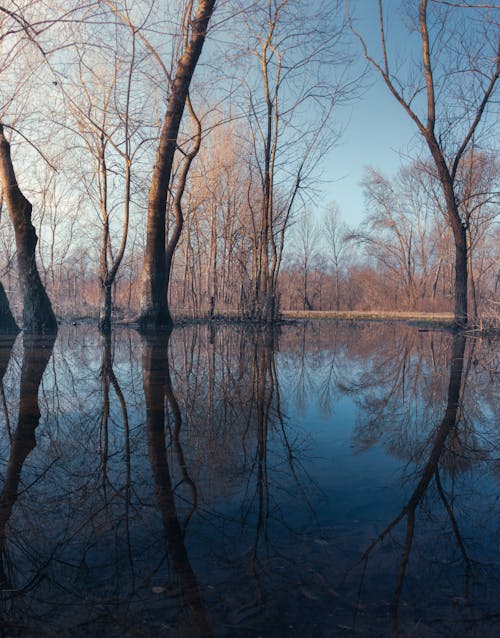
<point>161,160</point>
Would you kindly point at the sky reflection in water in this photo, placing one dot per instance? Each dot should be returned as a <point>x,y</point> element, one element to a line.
<point>334,480</point>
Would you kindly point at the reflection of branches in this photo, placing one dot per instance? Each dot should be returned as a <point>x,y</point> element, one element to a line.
<point>109,380</point>
<point>174,407</point>
<point>155,380</point>
<point>430,471</point>
<point>292,458</point>
<point>265,420</point>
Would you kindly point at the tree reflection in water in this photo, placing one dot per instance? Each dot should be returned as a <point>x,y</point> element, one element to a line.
<point>429,472</point>
<point>157,389</point>
<point>36,354</point>
<point>451,448</point>
<point>218,482</point>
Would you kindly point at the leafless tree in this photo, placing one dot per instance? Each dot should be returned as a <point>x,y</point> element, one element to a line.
<point>38,316</point>
<point>155,313</point>
<point>305,244</point>
<point>337,239</point>
<point>290,108</point>
<point>447,95</point>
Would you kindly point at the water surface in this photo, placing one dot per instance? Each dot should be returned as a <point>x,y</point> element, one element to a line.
<point>329,480</point>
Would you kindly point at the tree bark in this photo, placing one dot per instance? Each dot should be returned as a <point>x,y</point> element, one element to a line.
<point>8,324</point>
<point>38,316</point>
<point>458,229</point>
<point>106,307</point>
<point>154,312</point>
<point>472,282</point>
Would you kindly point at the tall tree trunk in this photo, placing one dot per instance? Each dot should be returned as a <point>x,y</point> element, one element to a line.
<point>471,280</point>
<point>38,316</point>
<point>212,263</point>
<point>476,108</point>
<point>154,313</point>
<point>459,233</point>
<point>337,300</point>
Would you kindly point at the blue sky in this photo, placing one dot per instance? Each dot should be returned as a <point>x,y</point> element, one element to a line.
<point>377,131</point>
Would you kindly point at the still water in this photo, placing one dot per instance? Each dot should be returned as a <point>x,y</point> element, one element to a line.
<point>329,480</point>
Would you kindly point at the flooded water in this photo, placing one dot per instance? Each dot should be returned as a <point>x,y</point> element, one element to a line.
<point>330,480</point>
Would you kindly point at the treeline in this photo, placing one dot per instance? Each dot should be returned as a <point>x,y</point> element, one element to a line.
<point>157,191</point>
<point>401,257</point>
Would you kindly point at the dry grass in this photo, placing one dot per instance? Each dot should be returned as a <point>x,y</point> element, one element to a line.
<point>373,315</point>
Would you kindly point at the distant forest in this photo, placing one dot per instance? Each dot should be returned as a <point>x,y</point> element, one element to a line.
<point>161,159</point>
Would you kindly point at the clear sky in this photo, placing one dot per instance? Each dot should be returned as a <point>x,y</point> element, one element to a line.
<point>377,131</point>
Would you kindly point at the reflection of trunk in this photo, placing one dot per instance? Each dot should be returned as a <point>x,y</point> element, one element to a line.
<point>429,471</point>
<point>157,385</point>
<point>38,316</point>
<point>8,324</point>
<point>154,306</point>
<point>431,468</point>
<point>263,394</point>
<point>36,355</point>
<point>109,380</point>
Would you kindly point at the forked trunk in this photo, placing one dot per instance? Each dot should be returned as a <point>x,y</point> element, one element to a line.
<point>154,314</point>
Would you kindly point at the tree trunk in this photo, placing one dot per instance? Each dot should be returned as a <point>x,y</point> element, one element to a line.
<point>459,233</point>
<point>461,315</point>
<point>154,312</point>
<point>212,268</point>
<point>337,300</point>
<point>38,316</point>
<point>471,280</point>
<point>106,307</point>
<point>8,324</point>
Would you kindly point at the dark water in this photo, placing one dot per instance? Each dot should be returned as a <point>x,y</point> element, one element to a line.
<point>332,481</point>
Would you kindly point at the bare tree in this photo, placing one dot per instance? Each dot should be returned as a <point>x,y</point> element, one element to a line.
<point>290,108</point>
<point>38,316</point>
<point>337,239</point>
<point>457,72</point>
<point>305,248</point>
<point>155,313</point>
<point>18,37</point>
<point>108,126</point>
